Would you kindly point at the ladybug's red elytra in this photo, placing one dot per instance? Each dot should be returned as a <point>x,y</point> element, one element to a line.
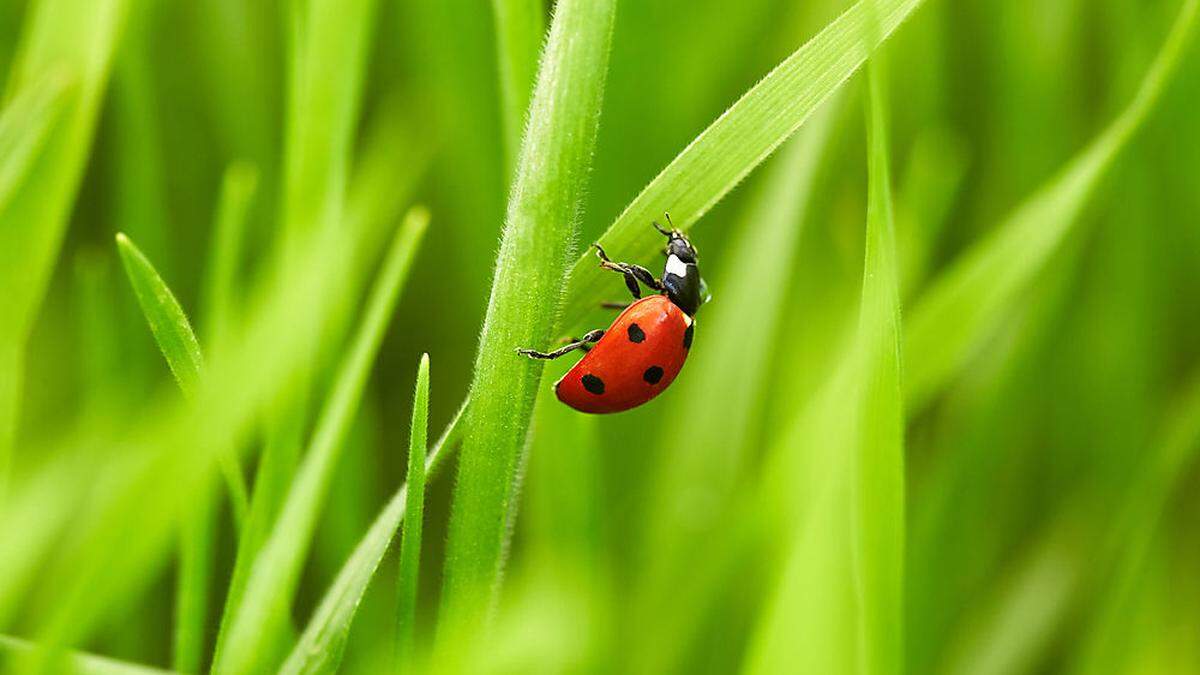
<point>645,347</point>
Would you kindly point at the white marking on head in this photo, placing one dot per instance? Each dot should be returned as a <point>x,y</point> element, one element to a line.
<point>676,267</point>
<point>687,320</point>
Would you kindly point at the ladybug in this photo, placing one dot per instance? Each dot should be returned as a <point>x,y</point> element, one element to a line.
<point>645,347</point>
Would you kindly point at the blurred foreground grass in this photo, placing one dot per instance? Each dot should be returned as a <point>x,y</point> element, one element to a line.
<point>941,415</point>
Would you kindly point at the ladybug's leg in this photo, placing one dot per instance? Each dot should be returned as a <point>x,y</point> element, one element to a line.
<point>632,273</point>
<point>614,305</point>
<point>583,343</point>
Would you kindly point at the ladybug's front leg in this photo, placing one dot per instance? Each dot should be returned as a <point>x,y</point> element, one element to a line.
<point>583,343</point>
<point>632,273</point>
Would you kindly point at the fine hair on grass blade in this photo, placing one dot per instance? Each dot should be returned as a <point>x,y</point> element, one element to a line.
<point>320,647</point>
<point>535,249</point>
<point>739,140</point>
<point>519,28</point>
<point>838,604</point>
<point>76,38</point>
<point>967,302</point>
<point>276,571</point>
<point>80,663</point>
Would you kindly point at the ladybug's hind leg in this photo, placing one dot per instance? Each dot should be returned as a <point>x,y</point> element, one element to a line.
<point>632,273</point>
<point>584,343</point>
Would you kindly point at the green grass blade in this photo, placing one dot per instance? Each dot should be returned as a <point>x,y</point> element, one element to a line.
<point>80,663</point>
<point>179,346</point>
<point>968,301</point>
<point>320,646</point>
<point>838,605</point>
<point>170,325</point>
<point>237,193</point>
<point>738,141</point>
<point>878,483</point>
<point>175,338</point>
<point>519,29</point>
<point>276,571</point>
<point>414,516</point>
<point>526,293</point>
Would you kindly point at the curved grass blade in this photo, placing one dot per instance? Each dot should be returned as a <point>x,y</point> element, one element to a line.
<point>969,301</point>
<point>80,663</point>
<point>739,140</point>
<point>267,597</point>
<point>838,606</point>
<point>519,28</point>
<point>175,338</point>
<point>526,294</point>
<point>320,646</point>
<point>172,331</point>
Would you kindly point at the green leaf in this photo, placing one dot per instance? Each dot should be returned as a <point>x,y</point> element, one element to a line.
<point>276,571</point>
<point>738,141</point>
<point>167,320</point>
<point>526,294</point>
<point>839,604</point>
<point>320,646</point>
<point>519,31</point>
<point>969,301</point>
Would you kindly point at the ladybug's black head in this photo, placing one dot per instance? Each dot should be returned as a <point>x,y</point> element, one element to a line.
<point>681,275</point>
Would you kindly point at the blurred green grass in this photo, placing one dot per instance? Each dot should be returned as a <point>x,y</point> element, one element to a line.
<point>1039,158</point>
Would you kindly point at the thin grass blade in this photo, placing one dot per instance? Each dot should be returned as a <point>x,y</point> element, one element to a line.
<point>838,604</point>
<point>526,295</point>
<point>170,325</point>
<point>320,646</point>
<point>414,516</point>
<point>275,573</point>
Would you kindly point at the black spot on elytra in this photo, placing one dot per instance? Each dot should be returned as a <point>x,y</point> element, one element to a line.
<point>636,334</point>
<point>593,384</point>
<point>653,374</point>
<point>687,335</point>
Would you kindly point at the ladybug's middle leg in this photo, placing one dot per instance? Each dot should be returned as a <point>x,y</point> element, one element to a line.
<point>632,273</point>
<point>583,343</point>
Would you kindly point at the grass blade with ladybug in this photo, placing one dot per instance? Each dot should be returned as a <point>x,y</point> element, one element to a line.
<point>643,350</point>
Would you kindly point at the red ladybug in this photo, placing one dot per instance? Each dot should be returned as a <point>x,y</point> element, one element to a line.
<point>645,347</point>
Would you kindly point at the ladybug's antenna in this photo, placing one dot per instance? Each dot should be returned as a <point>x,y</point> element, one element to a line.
<point>665,233</point>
